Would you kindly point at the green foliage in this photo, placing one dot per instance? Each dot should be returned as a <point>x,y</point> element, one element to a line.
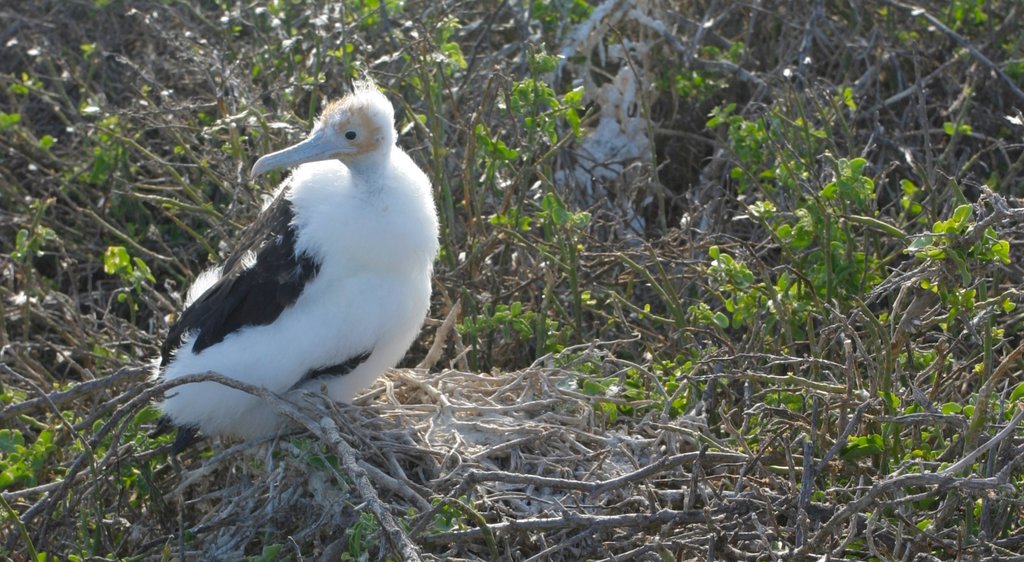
<point>908,203</point>
<point>450,516</point>
<point>135,275</point>
<point>512,321</point>
<point>946,242</point>
<point>850,185</point>
<point>8,120</point>
<point>1018,393</point>
<point>23,465</point>
<point>953,129</point>
<point>362,536</point>
<point>538,105</point>
<point>860,446</point>
<point>29,242</point>
<point>700,86</point>
<point>966,13</point>
<point>132,270</point>
<point>817,234</point>
<point>734,284</point>
<point>544,224</point>
<point>555,13</point>
<point>494,148</point>
<point>450,53</point>
<point>108,152</point>
<point>748,140</point>
<point>846,97</point>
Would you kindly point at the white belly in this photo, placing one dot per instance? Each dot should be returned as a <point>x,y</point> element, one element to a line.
<point>332,321</point>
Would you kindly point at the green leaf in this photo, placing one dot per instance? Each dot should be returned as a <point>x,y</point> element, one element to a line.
<point>116,260</point>
<point>10,440</point>
<point>21,245</point>
<point>721,320</point>
<point>1018,393</point>
<point>1001,249</point>
<point>762,209</point>
<point>574,97</point>
<point>8,120</point>
<point>495,148</point>
<point>952,129</point>
<point>919,243</point>
<point>591,387</point>
<point>847,98</point>
<point>857,166</point>
<point>142,268</point>
<point>573,119</point>
<point>865,446</point>
<point>557,212</point>
<point>962,214</point>
<point>611,411</point>
<point>544,62</point>
<point>146,415</point>
<point>720,115</point>
<point>453,53</point>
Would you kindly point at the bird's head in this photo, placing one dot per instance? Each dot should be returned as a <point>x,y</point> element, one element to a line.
<point>356,128</point>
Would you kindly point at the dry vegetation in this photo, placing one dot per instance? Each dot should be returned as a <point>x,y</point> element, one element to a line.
<point>720,280</point>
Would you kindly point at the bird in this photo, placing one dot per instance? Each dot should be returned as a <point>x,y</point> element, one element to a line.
<point>326,289</point>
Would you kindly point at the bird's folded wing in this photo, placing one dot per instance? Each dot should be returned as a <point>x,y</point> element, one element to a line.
<point>261,279</point>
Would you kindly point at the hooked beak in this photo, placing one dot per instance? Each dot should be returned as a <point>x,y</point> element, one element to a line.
<point>314,149</point>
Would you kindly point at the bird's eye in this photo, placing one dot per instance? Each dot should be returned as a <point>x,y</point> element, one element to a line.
<point>351,135</point>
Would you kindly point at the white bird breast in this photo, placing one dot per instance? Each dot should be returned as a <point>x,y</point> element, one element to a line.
<point>387,223</point>
<point>376,242</point>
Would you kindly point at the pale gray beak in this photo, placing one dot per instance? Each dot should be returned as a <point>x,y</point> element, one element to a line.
<point>316,147</point>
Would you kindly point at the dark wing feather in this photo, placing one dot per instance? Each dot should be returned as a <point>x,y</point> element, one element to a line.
<point>332,371</point>
<point>186,436</point>
<point>253,296</point>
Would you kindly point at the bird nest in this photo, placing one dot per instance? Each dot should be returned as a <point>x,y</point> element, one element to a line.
<point>525,466</point>
<point>456,465</point>
<point>452,464</point>
<point>443,465</point>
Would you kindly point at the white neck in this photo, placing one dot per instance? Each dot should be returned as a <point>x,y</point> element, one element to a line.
<point>369,163</point>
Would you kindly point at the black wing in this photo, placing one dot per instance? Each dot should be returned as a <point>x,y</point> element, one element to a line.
<point>252,296</point>
<point>186,436</point>
<point>332,371</point>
